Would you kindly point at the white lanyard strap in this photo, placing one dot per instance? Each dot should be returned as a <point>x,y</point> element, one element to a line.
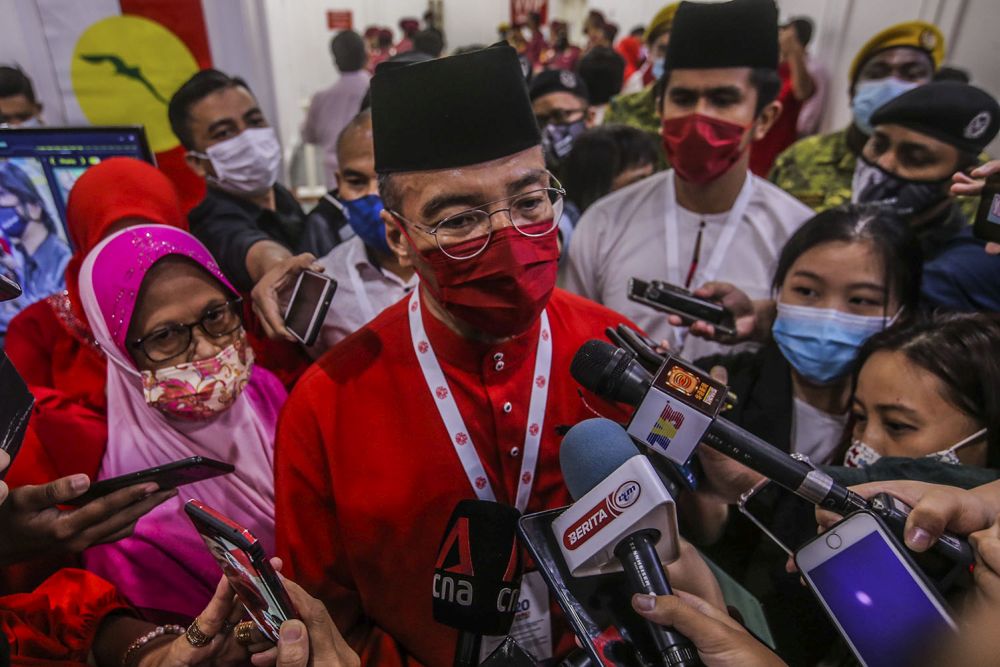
<point>452,418</point>
<point>708,271</point>
<point>360,293</point>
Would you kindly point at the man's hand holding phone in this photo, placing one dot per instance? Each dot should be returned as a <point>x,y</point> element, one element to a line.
<point>751,319</point>
<point>32,523</point>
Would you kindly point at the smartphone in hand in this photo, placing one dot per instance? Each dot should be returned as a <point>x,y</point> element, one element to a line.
<point>987,224</point>
<point>246,566</point>
<point>167,476</point>
<point>308,305</point>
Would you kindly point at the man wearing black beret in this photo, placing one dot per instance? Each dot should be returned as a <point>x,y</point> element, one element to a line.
<point>920,139</point>
<point>459,390</point>
<point>560,101</point>
<point>708,219</point>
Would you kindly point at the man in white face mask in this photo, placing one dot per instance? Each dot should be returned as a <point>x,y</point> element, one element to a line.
<point>248,220</point>
<point>18,105</point>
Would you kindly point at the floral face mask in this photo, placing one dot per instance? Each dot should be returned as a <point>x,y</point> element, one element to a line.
<point>200,390</point>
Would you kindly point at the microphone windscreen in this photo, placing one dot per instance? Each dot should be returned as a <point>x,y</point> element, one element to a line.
<point>478,570</point>
<point>592,450</point>
<point>593,363</point>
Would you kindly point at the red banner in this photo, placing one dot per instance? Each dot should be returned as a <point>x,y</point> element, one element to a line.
<point>520,9</point>
<point>339,20</point>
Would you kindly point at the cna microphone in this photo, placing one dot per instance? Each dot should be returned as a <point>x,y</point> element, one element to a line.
<point>621,519</point>
<point>477,575</point>
<point>678,409</point>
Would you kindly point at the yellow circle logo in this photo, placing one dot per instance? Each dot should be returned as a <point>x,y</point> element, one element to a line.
<point>124,71</point>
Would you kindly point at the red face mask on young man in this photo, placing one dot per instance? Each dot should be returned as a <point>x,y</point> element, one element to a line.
<point>701,148</point>
<point>503,290</point>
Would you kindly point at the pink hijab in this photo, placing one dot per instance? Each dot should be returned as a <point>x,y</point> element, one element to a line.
<point>164,568</point>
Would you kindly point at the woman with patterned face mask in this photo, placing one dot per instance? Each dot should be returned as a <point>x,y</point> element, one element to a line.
<point>929,390</point>
<point>181,382</point>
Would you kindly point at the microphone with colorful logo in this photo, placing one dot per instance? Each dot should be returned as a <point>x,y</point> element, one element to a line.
<point>622,519</point>
<point>477,575</point>
<point>677,408</point>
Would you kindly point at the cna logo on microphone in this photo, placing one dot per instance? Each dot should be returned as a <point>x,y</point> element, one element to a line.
<point>666,427</point>
<point>603,513</point>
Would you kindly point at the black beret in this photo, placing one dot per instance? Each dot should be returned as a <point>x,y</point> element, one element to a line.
<point>451,112</point>
<point>557,81</point>
<point>956,113</point>
<point>739,33</point>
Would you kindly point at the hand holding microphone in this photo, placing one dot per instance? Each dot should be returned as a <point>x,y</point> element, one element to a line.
<point>621,513</point>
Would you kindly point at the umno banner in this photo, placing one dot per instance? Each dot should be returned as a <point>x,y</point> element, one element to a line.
<point>519,10</point>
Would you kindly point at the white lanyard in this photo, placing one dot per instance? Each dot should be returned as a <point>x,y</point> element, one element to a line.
<point>455,425</point>
<point>360,293</point>
<point>732,224</point>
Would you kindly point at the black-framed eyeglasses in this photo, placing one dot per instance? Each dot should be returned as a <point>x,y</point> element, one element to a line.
<point>466,234</point>
<point>170,341</point>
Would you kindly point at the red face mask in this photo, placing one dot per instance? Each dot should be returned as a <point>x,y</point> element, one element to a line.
<point>502,291</point>
<point>701,148</point>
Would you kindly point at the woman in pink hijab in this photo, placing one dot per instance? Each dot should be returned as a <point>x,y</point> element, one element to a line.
<point>181,382</point>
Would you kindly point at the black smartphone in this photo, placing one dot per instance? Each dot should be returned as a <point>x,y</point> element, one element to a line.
<point>987,224</point>
<point>15,408</point>
<point>780,514</point>
<point>678,301</point>
<point>9,289</point>
<point>308,305</point>
<point>881,602</point>
<point>242,559</point>
<point>167,476</point>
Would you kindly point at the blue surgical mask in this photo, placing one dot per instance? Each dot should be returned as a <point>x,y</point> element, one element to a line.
<point>12,224</point>
<point>364,215</point>
<point>822,343</point>
<point>659,67</point>
<point>870,95</point>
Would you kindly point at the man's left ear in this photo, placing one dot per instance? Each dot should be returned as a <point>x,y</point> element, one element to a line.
<point>590,120</point>
<point>765,120</point>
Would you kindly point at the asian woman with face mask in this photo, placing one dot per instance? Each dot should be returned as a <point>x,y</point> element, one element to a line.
<point>845,275</point>
<point>181,382</point>
<point>929,390</point>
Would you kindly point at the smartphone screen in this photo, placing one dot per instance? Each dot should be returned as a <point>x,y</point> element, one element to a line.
<point>308,305</point>
<point>885,610</point>
<point>987,223</point>
<point>246,567</point>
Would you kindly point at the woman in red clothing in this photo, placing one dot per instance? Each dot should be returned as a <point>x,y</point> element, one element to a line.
<point>50,342</point>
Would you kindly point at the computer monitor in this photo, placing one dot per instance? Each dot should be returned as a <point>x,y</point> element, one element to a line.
<point>38,167</point>
<point>42,164</point>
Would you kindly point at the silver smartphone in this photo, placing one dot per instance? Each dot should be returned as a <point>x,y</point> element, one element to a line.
<point>880,601</point>
<point>308,305</point>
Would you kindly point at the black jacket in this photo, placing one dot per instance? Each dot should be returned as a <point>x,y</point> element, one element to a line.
<point>229,225</point>
<point>326,227</point>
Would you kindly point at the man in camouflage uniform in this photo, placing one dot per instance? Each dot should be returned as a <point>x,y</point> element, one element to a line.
<point>819,170</point>
<point>639,109</point>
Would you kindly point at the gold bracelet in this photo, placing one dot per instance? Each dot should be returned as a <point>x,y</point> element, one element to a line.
<point>139,643</point>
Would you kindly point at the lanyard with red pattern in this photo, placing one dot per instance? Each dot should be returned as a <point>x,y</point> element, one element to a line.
<point>452,418</point>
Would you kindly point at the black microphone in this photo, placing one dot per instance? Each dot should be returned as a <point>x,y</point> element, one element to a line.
<point>477,576</point>
<point>613,374</point>
<point>596,456</point>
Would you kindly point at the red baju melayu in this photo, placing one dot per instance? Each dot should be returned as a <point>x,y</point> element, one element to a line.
<point>367,473</point>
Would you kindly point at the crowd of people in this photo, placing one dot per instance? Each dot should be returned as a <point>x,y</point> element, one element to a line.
<point>485,215</point>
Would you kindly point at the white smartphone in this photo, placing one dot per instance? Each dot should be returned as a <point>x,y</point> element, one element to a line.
<point>885,608</point>
<point>308,305</point>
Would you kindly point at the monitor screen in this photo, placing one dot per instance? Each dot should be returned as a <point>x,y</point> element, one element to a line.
<point>50,159</point>
<point>38,168</point>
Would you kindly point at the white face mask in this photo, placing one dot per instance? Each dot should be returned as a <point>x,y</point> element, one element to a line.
<point>861,455</point>
<point>247,164</point>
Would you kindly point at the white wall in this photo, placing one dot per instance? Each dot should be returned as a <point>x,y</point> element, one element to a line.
<point>282,46</point>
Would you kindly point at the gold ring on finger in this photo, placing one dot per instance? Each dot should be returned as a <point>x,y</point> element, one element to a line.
<point>195,636</point>
<point>243,632</point>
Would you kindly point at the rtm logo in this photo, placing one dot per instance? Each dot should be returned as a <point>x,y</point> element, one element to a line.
<point>666,427</point>
<point>604,513</point>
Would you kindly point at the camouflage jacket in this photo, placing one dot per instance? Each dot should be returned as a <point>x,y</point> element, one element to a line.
<point>636,110</point>
<point>819,170</point>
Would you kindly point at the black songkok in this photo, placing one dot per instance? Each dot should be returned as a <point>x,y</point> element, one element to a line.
<point>740,33</point>
<point>956,113</point>
<point>451,112</point>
